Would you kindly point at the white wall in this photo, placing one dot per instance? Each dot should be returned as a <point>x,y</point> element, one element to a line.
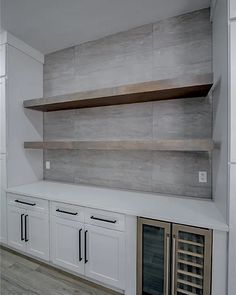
<point>232,232</point>
<point>25,81</point>
<point>232,200</point>
<point>232,9</point>
<point>220,105</point>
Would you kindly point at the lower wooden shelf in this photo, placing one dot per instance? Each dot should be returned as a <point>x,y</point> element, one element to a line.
<point>191,145</point>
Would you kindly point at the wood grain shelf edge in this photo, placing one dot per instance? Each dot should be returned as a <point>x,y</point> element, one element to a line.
<point>191,145</point>
<point>180,87</point>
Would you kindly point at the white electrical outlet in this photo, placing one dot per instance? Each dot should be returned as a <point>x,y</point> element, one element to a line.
<point>47,165</point>
<point>202,176</point>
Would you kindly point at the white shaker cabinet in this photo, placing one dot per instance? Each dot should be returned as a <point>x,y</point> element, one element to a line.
<point>15,228</point>
<point>37,234</point>
<point>232,236</point>
<point>28,226</point>
<point>105,255</point>
<point>3,202</point>
<point>232,9</point>
<point>233,91</point>
<point>67,244</point>
<point>89,242</point>
<point>2,116</point>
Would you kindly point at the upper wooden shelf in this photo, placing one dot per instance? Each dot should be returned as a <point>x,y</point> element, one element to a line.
<point>181,87</point>
<point>191,145</point>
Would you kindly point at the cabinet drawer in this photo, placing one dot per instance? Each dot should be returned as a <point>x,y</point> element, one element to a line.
<point>67,211</point>
<point>28,203</point>
<point>105,219</point>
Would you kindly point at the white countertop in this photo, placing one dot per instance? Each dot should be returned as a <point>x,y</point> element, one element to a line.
<point>202,213</point>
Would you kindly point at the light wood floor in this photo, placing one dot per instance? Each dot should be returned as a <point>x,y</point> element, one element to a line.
<point>22,276</point>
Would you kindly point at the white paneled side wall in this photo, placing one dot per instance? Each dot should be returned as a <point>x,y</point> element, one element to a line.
<point>219,263</point>
<point>233,91</point>
<point>232,200</point>
<point>220,105</point>
<point>25,81</point>
<point>232,9</point>
<point>3,207</point>
<point>232,231</point>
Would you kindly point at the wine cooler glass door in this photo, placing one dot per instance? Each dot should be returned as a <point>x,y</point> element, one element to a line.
<point>153,260</point>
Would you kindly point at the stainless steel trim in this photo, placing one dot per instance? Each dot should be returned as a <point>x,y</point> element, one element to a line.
<point>207,234</point>
<point>167,263</point>
<point>167,230</point>
<point>173,265</point>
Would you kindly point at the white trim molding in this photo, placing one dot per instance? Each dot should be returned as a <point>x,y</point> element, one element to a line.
<point>7,38</point>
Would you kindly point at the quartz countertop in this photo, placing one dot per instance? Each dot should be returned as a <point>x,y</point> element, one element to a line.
<point>195,212</point>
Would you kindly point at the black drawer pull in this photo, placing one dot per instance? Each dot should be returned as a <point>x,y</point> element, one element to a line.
<point>105,220</point>
<point>66,212</point>
<point>26,234</point>
<point>25,203</point>
<point>85,247</point>
<point>21,227</point>
<point>80,254</point>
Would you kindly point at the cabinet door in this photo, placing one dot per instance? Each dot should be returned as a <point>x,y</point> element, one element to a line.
<point>232,9</point>
<point>191,260</point>
<point>3,221</point>
<point>233,91</point>
<point>67,244</point>
<point>37,234</point>
<point>153,257</point>
<point>105,255</point>
<point>3,201</point>
<point>15,227</point>
<point>2,116</point>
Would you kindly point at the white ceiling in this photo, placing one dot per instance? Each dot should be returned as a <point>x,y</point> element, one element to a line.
<point>50,25</point>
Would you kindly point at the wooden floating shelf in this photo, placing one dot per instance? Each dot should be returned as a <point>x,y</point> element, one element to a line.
<point>188,145</point>
<point>181,87</point>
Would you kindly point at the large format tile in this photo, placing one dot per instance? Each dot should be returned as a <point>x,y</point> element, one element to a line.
<point>118,169</point>
<point>132,121</point>
<point>182,29</point>
<point>62,165</point>
<point>9,286</point>
<point>59,86</point>
<point>183,118</point>
<point>60,63</point>
<point>176,46</point>
<point>182,45</point>
<point>177,174</point>
<point>19,278</point>
<point>109,52</point>
<point>115,60</point>
<point>59,125</point>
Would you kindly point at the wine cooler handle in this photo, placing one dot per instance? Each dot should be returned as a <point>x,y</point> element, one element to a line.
<point>173,265</point>
<point>167,263</point>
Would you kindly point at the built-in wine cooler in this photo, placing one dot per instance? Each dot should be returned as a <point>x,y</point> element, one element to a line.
<point>173,259</point>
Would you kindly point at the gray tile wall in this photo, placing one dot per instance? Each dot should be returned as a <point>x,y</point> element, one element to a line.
<point>168,48</point>
<point>176,46</point>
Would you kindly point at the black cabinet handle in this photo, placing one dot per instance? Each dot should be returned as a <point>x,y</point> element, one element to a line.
<point>105,220</point>
<point>25,203</point>
<point>26,237</point>
<point>80,254</point>
<point>85,247</point>
<point>21,227</point>
<point>66,212</point>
